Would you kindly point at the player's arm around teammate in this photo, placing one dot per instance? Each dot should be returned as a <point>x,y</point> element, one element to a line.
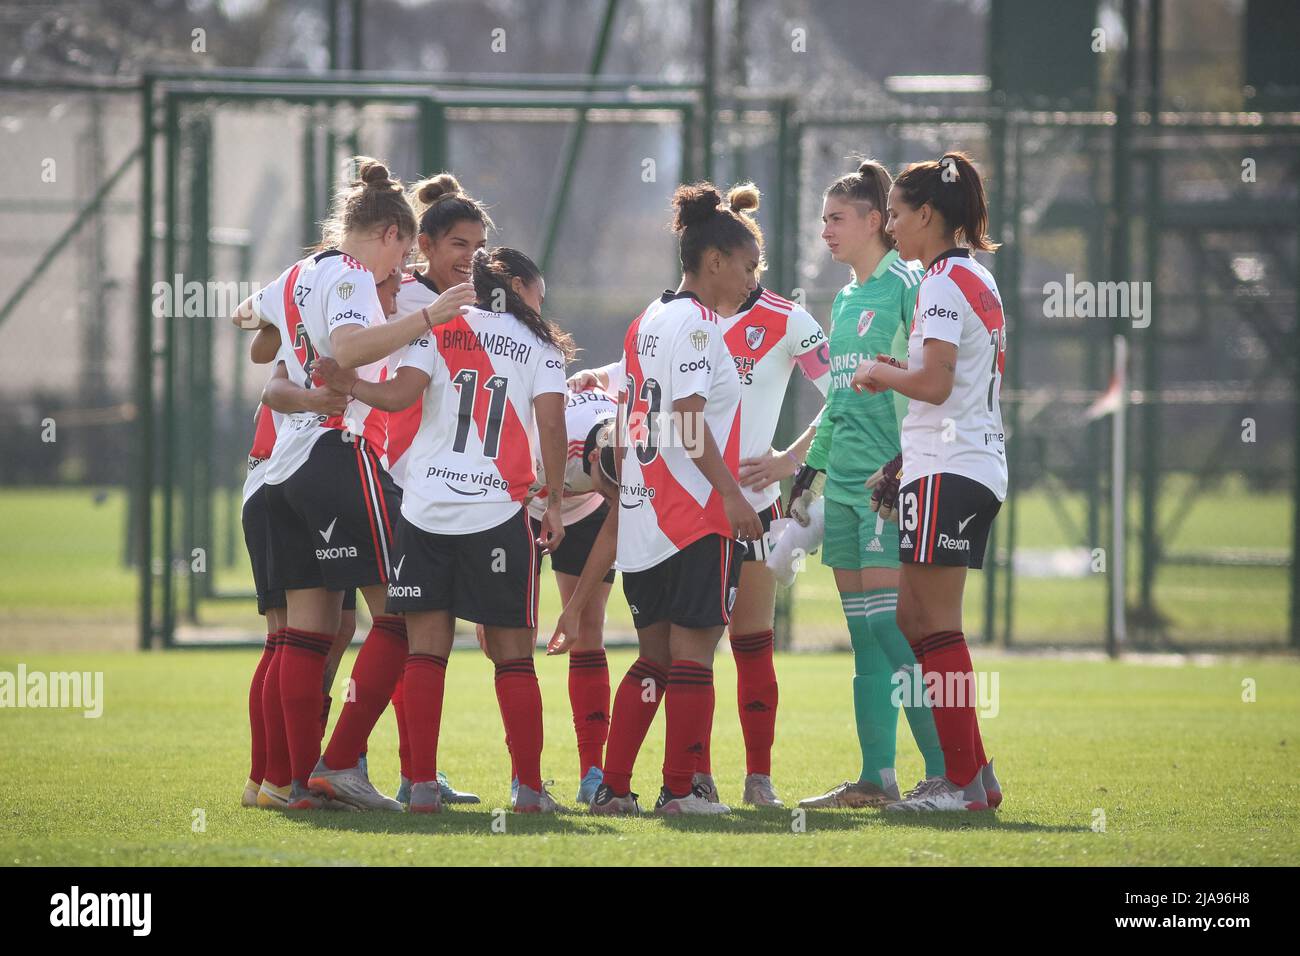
<point>954,475</point>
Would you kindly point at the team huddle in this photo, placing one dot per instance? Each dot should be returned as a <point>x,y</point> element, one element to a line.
<point>419,442</point>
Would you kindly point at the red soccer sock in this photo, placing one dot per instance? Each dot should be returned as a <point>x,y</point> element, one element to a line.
<point>302,671</point>
<point>589,698</point>
<point>423,681</point>
<point>403,735</point>
<point>635,704</point>
<point>520,699</point>
<point>276,771</point>
<point>256,719</point>
<point>374,675</point>
<point>756,696</point>
<point>690,716</point>
<point>945,653</point>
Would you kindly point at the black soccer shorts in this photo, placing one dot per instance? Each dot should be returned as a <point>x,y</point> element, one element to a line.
<point>695,587</point>
<point>945,519</point>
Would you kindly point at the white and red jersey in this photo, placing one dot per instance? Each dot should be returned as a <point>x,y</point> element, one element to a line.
<point>768,338</point>
<point>674,349</point>
<point>471,463</point>
<point>958,302</point>
<point>307,302</point>
<point>266,424</point>
<point>582,412</point>
<point>415,292</point>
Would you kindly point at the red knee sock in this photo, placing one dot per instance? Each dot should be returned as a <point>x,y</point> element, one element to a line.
<point>589,698</point>
<point>756,696</point>
<point>374,675</point>
<point>635,704</point>
<point>256,719</point>
<point>520,700</point>
<point>423,682</point>
<point>276,771</point>
<point>945,653</point>
<point>302,672</point>
<point>403,735</point>
<point>690,715</point>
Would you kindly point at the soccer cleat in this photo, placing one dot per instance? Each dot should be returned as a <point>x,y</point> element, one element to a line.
<point>528,800</point>
<point>607,803</point>
<point>695,803</point>
<point>249,796</point>
<point>853,796</point>
<point>302,798</point>
<point>920,785</point>
<point>350,786</point>
<point>703,782</point>
<point>514,790</point>
<point>271,797</point>
<point>403,794</point>
<point>759,791</point>
<point>364,766</point>
<point>425,797</point>
<point>991,786</point>
<point>590,784</point>
<point>941,794</point>
<point>451,795</point>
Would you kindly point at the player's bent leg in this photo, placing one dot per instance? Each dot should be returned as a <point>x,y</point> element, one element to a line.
<point>635,704</point>
<point>520,700</point>
<point>689,712</point>
<point>588,686</point>
<point>314,615</point>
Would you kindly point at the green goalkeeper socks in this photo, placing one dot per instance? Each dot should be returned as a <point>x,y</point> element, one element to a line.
<point>873,708</point>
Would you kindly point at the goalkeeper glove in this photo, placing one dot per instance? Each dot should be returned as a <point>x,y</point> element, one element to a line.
<point>807,488</point>
<point>883,485</point>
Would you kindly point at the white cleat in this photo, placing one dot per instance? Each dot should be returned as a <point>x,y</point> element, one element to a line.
<point>694,803</point>
<point>991,785</point>
<point>249,796</point>
<point>352,787</point>
<point>759,791</point>
<point>425,797</point>
<point>941,794</point>
<point>528,800</point>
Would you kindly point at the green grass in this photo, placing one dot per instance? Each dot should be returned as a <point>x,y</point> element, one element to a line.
<point>1184,771</point>
<point>64,583</point>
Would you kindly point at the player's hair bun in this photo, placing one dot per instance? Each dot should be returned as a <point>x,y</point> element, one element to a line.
<point>428,191</point>
<point>694,204</point>
<point>372,172</point>
<point>743,197</point>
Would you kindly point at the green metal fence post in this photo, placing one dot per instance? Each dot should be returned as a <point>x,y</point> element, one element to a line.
<point>172,148</point>
<point>1151,409</point>
<point>144,362</point>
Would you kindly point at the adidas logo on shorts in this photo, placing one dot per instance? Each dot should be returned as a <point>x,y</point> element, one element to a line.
<point>875,546</point>
<point>906,542</point>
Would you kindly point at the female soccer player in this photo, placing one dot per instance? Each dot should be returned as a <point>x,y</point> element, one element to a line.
<point>768,337</point>
<point>329,500</point>
<point>452,227</point>
<point>855,435</point>
<point>465,546</point>
<point>681,509</point>
<point>954,467</point>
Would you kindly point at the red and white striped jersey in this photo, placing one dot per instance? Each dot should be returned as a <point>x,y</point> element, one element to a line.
<point>415,292</point>
<point>674,349</point>
<point>265,425</point>
<point>768,338</point>
<point>582,412</point>
<point>307,302</point>
<point>958,302</point>
<point>471,462</point>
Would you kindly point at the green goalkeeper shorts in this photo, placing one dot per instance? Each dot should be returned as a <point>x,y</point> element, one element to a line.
<point>856,537</point>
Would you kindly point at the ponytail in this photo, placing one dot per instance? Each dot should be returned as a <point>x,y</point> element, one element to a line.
<point>870,185</point>
<point>952,187</point>
<point>493,271</point>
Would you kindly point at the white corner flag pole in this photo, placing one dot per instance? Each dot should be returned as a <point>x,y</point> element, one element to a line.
<point>1118,508</point>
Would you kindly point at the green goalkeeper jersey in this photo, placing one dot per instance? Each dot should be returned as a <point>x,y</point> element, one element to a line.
<point>858,432</point>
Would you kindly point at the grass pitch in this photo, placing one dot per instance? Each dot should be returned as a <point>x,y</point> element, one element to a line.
<point>1101,762</point>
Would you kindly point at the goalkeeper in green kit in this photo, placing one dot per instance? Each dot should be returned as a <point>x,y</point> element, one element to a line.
<point>855,438</point>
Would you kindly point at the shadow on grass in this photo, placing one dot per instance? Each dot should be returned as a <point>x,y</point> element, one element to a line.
<point>485,821</point>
